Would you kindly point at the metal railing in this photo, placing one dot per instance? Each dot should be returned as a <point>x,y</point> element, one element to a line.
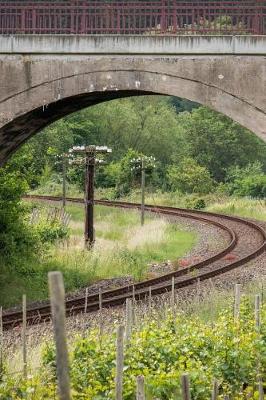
<point>185,17</point>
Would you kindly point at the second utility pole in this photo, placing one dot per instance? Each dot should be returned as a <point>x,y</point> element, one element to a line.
<point>64,179</point>
<point>142,191</point>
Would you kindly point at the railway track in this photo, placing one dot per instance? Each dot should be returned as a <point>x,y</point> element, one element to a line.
<point>246,239</point>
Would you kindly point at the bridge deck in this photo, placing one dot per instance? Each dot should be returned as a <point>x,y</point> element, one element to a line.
<point>133,44</point>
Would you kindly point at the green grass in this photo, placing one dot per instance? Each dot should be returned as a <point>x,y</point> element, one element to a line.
<point>122,248</point>
<point>249,208</point>
<point>216,202</point>
<point>243,207</point>
<point>30,277</point>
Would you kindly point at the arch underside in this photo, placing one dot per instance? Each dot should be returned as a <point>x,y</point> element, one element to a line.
<point>30,110</point>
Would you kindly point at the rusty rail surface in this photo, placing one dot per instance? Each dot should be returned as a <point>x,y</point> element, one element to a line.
<point>159,285</point>
<point>227,17</point>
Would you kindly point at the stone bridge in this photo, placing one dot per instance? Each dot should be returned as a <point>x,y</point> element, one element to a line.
<point>45,77</point>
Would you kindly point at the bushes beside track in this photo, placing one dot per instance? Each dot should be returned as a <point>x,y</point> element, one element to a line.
<point>161,349</point>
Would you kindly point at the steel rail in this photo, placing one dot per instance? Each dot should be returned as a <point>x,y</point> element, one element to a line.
<point>159,285</point>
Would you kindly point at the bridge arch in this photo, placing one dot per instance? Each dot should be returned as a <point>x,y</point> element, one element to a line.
<point>48,90</point>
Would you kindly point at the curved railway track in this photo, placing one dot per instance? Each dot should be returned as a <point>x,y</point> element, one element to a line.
<point>246,239</point>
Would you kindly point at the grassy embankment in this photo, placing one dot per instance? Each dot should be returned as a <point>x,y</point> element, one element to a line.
<point>122,248</point>
<point>243,207</point>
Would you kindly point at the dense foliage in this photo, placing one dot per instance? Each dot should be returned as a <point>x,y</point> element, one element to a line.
<point>161,349</point>
<point>15,238</point>
<point>196,144</point>
<point>247,181</point>
<point>190,177</point>
<point>18,238</point>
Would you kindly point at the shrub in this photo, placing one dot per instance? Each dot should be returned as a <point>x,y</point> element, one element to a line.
<point>190,177</point>
<point>50,232</point>
<point>162,351</point>
<point>196,203</point>
<point>16,239</point>
<point>248,181</point>
<point>254,186</point>
<point>108,175</point>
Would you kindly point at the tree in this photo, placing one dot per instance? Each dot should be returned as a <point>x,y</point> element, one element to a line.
<point>182,105</point>
<point>148,125</point>
<point>248,181</point>
<point>14,236</point>
<point>218,143</point>
<point>190,177</point>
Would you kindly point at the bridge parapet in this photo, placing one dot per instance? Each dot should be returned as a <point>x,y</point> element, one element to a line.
<point>154,17</point>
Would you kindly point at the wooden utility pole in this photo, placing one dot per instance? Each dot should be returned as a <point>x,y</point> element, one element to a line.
<point>142,165</point>
<point>90,163</point>
<point>142,191</point>
<point>89,196</point>
<point>64,179</point>
<point>63,160</point>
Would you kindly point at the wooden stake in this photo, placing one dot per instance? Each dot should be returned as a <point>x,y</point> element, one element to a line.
<point>1,343</point>
<point>100,299</point>
<point>150,299</point>
<point>24,333</point>
<point>133,293</point>
<point>237,301</point>
<point>119,363</point>
<point>129,319</point>
<point>185,386</point>
<point>212,284</point>
<point>257,311</point>
<point>57,299</point>
<point>173,294</point>
<point>198,289</point>
<point>133,305</point>
<point>140,388</point>
<point>101,311</point>
<point>261,391</point>
<point>215,390</point>
<point>86,301</point>
<point>257,327</point>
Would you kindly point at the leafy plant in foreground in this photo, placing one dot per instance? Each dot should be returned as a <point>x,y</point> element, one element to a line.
<point>162,350</point>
